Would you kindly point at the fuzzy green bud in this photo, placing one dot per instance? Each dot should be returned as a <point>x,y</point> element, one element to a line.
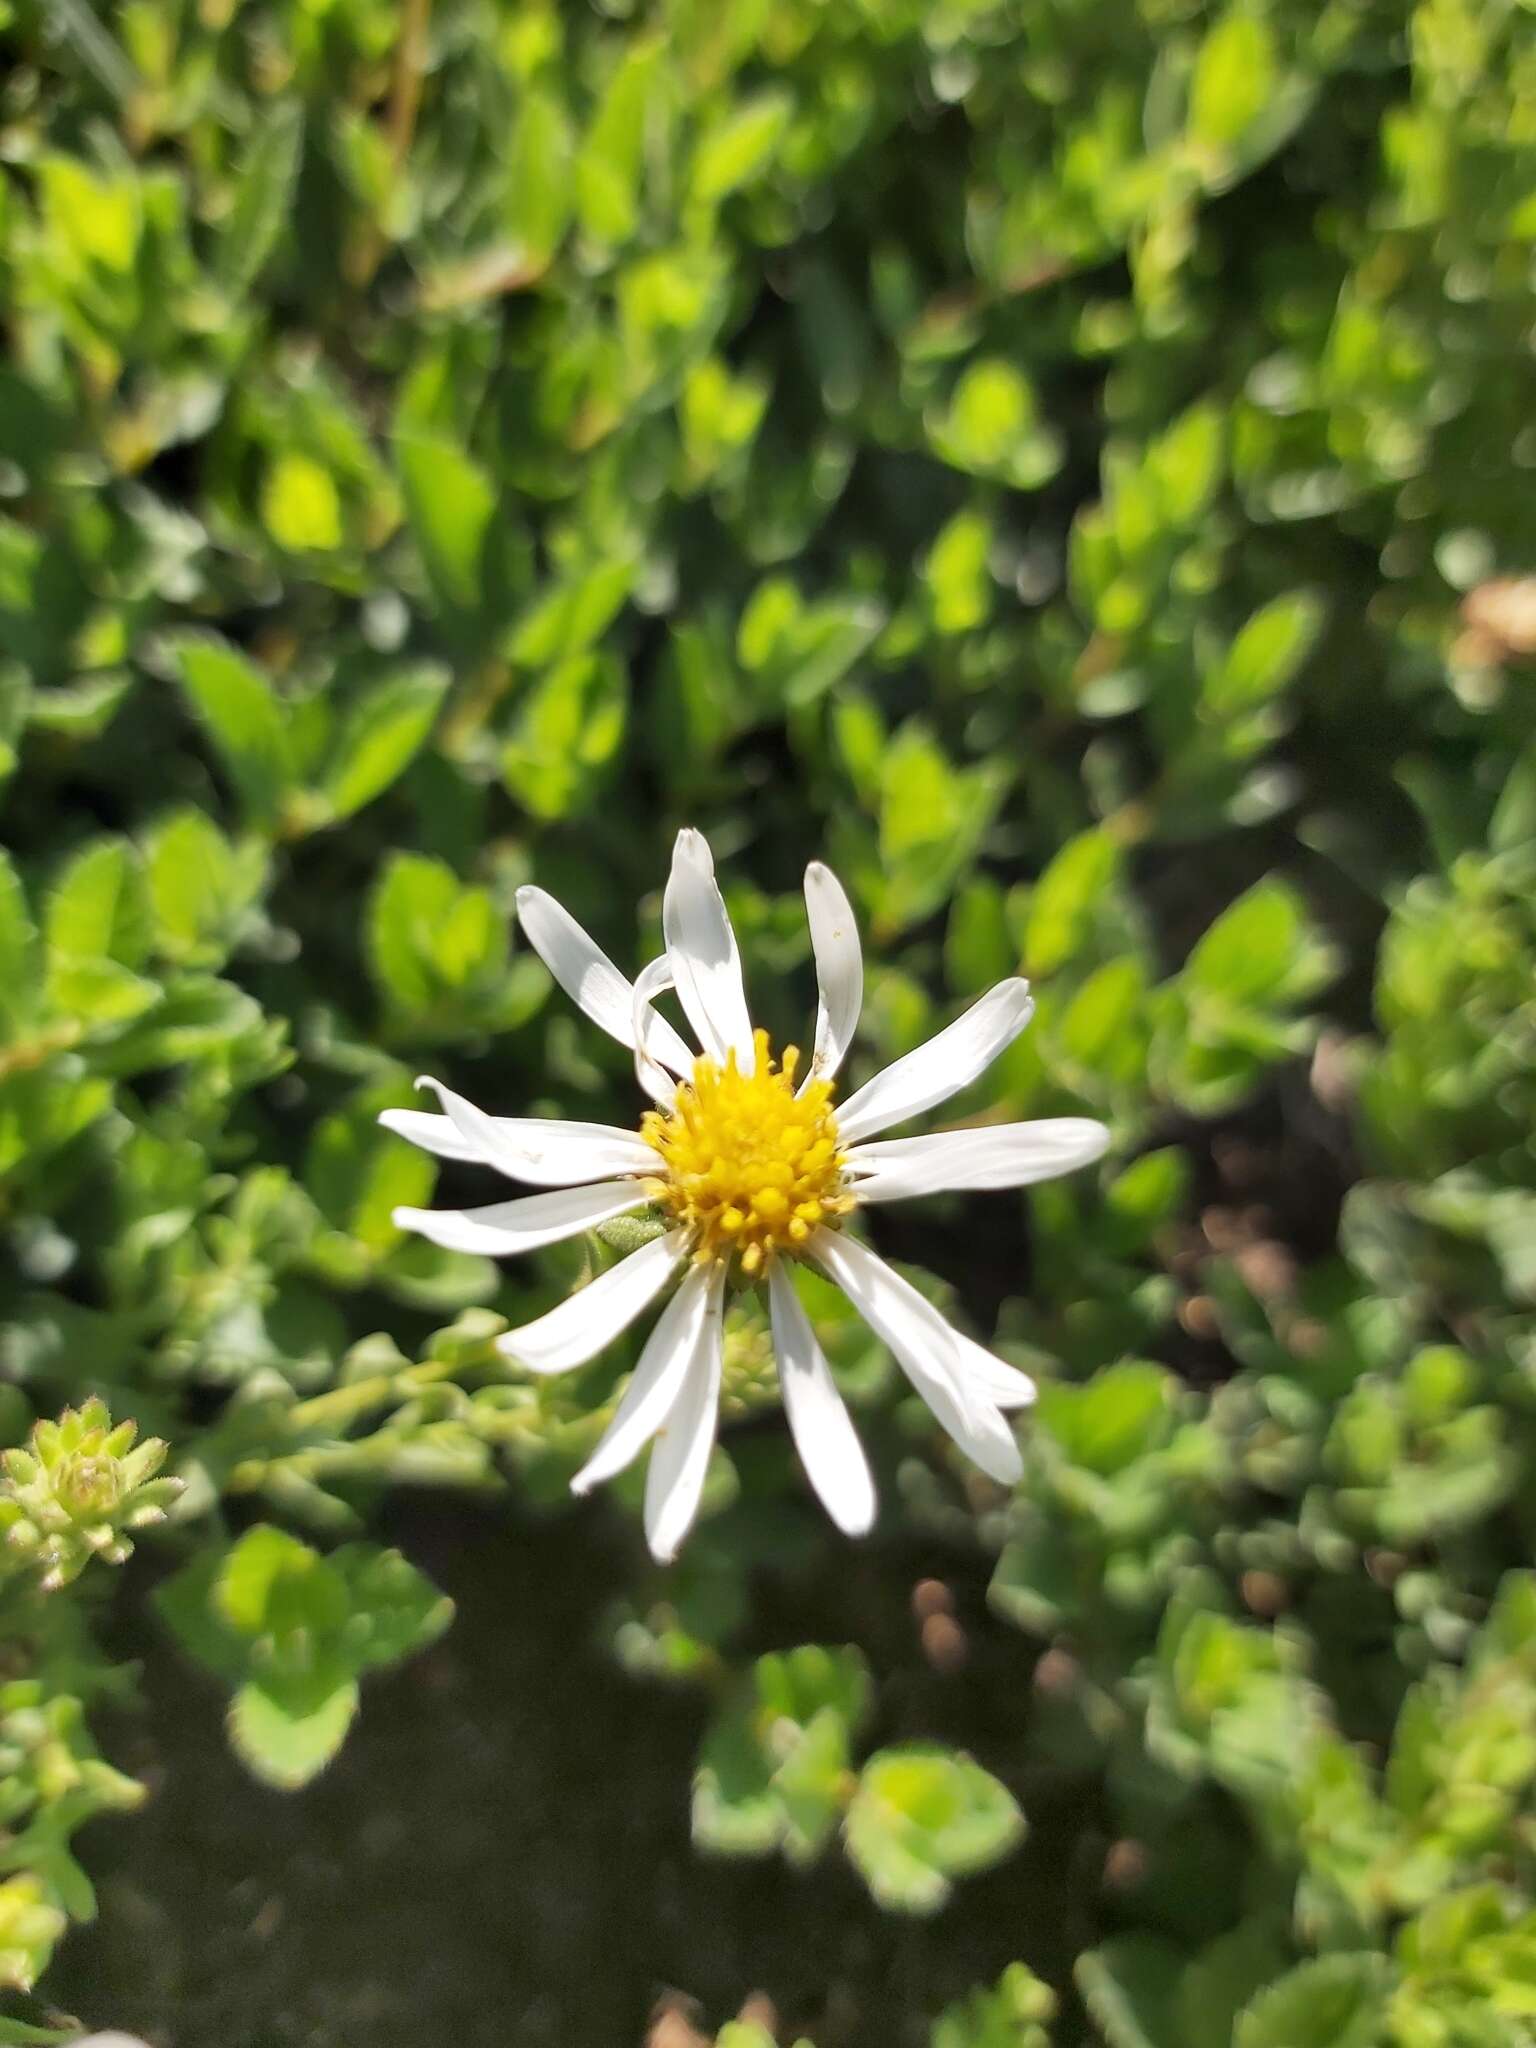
<point>77,1489</point>
<point>30,1924</point>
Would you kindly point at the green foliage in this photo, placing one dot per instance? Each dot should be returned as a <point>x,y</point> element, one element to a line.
<point>1013,2013</point>
<point>292,1632</point>
<point>922,1817</point>
<point>775,1772</point>
<point>1069,468</point>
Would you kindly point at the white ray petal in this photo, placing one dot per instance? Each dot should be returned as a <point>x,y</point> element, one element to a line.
<point>993,1156</point>
<point>651,982</point>
<point>924,1347</point>
<point>546,1152</point>
<point>503,1228</point>
<point>656,1385</point>
<point>941,1068</point>
<point>704,957</point>
<point>839,970</point>
<point>1003,1384</point>
<point>587,1321</point>
<point>824,1435</point>
<point>674,1482</point>
<point>589,977</point>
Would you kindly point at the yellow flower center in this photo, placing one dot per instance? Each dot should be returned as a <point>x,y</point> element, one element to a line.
<point>751,1167</point>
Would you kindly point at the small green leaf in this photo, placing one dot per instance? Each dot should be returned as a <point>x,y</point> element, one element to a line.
<point>1130,1986</point>
<point>286,1739</point>
<point>272,1581</point>
<point>19,951</point>
<point>450,503</point>
<point>540,190</point>
<point>1067,899</point>
<point>1336,2001</point>
<point>570,729</point>
<point>381,734</point>
<point>1234,79</point>
<point>300,504</point>
<point>1265,656</point>
<point>611,163</point>
<point>201,888</point>
<point>992,427</point>
<point>243,718</point>
<point>393,1609</point>
<point>97,909</point>
<point>1262,949</point>
<point>923,1816</point>
<point>264,195</point>
<point>1013,2013</point>
<point>737,147</point>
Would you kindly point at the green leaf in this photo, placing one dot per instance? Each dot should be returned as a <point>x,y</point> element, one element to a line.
<point>1233,81</point>
<point>569,732</point>
<point>1337,2001</point>
<point>1513,823</point>
<point>1116,1417</point>
<point>1265,656</point>
<point>992,428</point>
<point>270,1582</point>
<point>97,909</point>
<point>243,718</point>
<point>923,1816</point>
<point>285,1739</point>
<point>1130,1986</point>
<point>611,163</point>
<point>19,951</point>
<point>201,888</point>
<point>1037,1582</point>
<point>99,993</point>
<point>19,2034</point>
<point>450,503</point>
<point>736,148</point>
<point>383,731</point>
<point>437,950</point>
<point>1013,2013</point>
<point>263,199</point>
<point>393,1609</point>
<point>956,572</point>
<point>1067,898</point>
<point>1262,949</point>
<point>540,190</point>
<point>300,504</point>
<point>773,1769</point>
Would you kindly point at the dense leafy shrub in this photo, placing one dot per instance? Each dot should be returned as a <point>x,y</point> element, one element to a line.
<point>1069,467</point>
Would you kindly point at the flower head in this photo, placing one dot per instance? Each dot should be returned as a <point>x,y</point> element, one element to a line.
<point>752,1164</point>
<point>77,1491</point>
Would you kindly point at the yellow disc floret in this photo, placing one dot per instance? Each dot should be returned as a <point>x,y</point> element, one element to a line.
<point>750,1167</point>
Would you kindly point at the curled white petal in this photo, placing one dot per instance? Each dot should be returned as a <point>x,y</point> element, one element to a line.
<point>590,978</point>
<point>941,1068</point>
<point>703,951</point>
<point>1003,1384</point>
<point>993,1156</point>
<point>674,1481</point>
<point>501,1229</point>
<point>546,1152</point>
<point>824,1435</point>
<point>656,1386</point>
<point>924,1346</point>
<point>651,982</point>
<point>587,1321</point>
<point>839,970</point>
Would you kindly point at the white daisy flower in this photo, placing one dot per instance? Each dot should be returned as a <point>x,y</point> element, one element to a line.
<point>751,1165</point>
